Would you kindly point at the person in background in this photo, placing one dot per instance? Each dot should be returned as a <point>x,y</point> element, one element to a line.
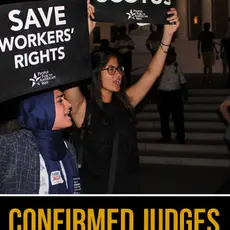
<point>154,40</point>
<point>172,93</point>
<point>225,42</point>
<point>224,58</point>
<point>104,45</point>
<point>124,45</point>
<point>152,44</point>
<point>206,46</point>
<point>111,113</point>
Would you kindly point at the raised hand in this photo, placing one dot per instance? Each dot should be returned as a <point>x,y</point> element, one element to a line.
<point>171,28</point>
<point>91,11</point>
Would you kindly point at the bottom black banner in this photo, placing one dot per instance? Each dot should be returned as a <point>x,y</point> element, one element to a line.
<point>114,212</point>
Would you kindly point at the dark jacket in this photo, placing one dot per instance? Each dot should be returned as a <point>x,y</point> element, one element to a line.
<point>20,163</point>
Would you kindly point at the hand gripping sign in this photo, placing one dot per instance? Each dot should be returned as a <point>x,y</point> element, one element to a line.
<point>132,11</point>
<point>42,45</point>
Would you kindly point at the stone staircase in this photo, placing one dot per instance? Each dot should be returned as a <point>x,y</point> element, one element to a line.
<point>204,133</point>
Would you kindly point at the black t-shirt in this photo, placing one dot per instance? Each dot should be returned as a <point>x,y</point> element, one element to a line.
<point>206,39</point>
<point>97,161</point>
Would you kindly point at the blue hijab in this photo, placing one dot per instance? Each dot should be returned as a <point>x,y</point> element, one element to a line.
<point>37,114</point>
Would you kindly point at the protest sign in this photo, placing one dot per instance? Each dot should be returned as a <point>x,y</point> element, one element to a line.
<point>132,11</point>
<point>43,44</point>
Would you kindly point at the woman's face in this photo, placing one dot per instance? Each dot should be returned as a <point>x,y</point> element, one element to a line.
<point>62,109</point>
<point>110,76</point>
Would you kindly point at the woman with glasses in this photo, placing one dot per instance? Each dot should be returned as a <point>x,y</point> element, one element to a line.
<point>111,154</point>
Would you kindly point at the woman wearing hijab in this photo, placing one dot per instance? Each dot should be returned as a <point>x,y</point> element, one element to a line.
<point>36,159</point>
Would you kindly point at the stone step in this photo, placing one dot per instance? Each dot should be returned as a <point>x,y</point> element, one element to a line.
<point>183,161</point>
<point>216,127</point>
<point>187,107</point>
<point>205,144</point>
<point>149,116</point>
<point>184,150</point>
<point>208,92</point>
<point>191,138</point>
<point>205,100</point>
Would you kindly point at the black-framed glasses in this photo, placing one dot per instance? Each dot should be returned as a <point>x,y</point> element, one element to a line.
<point>112,69</point>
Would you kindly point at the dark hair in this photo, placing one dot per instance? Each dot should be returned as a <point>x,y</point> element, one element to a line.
<point>9,126</point>
<point>160,27</point>
<point>104,42</point>
<point>99,60</point>
<point>122,30</point>
<point>8,116</point>
<point>171,56</point>
<point>206,25</point>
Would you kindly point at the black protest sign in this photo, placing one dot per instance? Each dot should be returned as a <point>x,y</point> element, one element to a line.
<point>132,11</point>
<point>43,44</point>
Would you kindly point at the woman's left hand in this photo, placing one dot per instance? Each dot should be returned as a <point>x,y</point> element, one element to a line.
<point>171,28</point>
